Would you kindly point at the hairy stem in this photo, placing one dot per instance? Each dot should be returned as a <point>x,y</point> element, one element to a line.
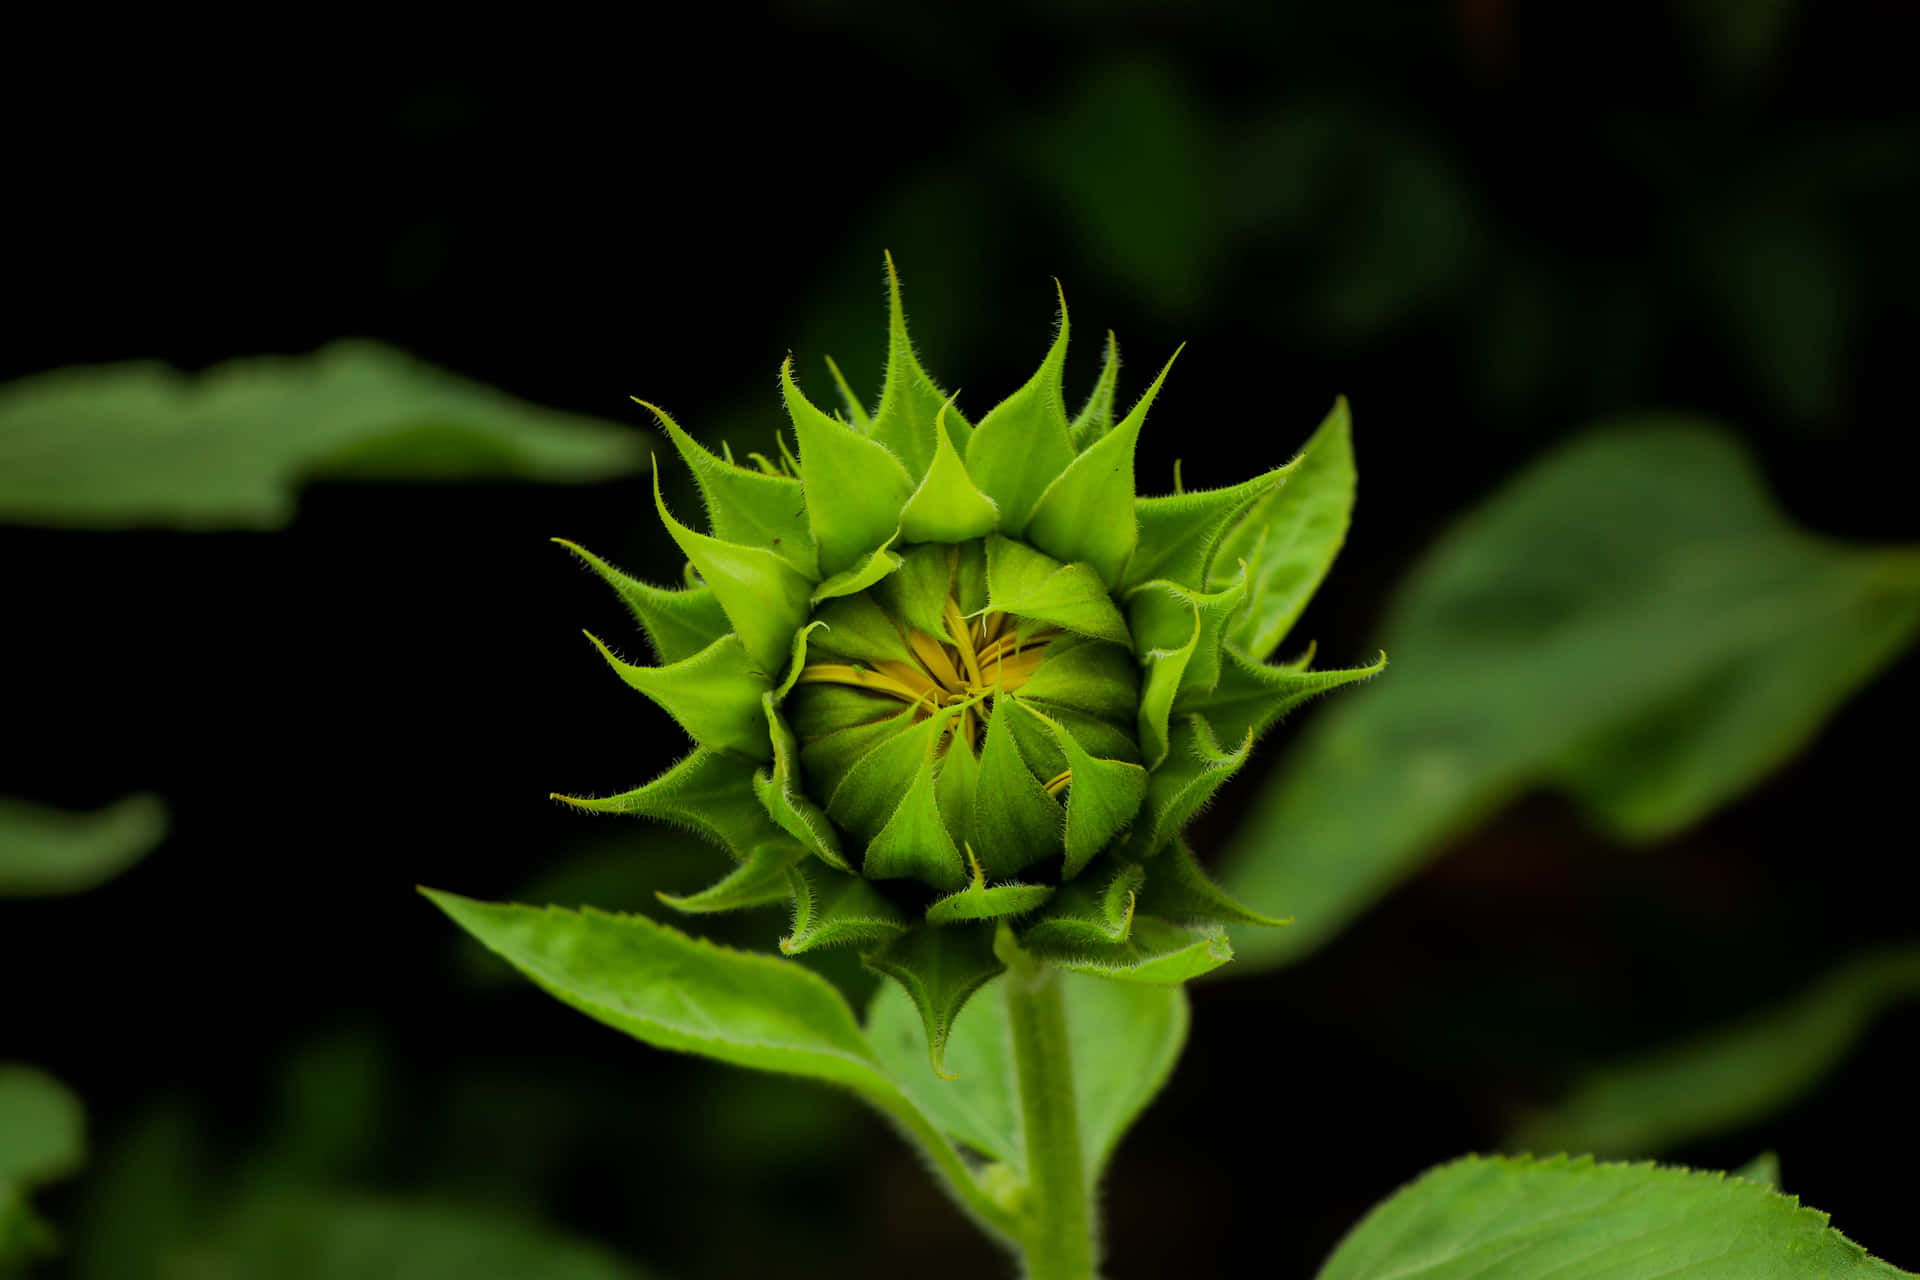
<point>1058,1241</point>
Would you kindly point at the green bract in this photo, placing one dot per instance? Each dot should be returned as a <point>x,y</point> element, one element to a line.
<point>946,676</point>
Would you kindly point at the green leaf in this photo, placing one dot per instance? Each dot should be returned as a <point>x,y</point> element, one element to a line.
<point>1027,584</point>
<point>856,412</point>
<point>706,793</point>
<point>939,967</point>
<point>1023,444</point>
<point>851,582</point>
<point>916,593</point>
<point>1542,640</point>
<point>1090,676</point>
<point>764,596</point>
<point>51,851</point>
<point>1290,537</point>
<point>1093,909</point>
<point>745,505</point>
<point>1181,533</point>
<point>760,881</point>
<point>867,797</point>
<point>715,695</point>
<point>1195,768</point>
<point>1177,889</point>
<point>1124,1037</point>
<point>1166,616</point>
<point>1763,1169</point>
<point>1095,418</point>
<point>910,401</point>
<point>781,795</point>
<point>1157,952</point>
<point>1102,797</point>
<point>140,445</point>
<point>678,624</point>
<point>981,901</point>
<point>834,909</point>
<point>1086,513</point>
<point>42,1140</point>
<point>915,842</point>
<point>1015,823</point>
<point>858,630</point>
<point>854,487</point>
<point>948,506</point>
<point>1730,1077</point>
<point>1251,696</point>
<point>1481,1218</point>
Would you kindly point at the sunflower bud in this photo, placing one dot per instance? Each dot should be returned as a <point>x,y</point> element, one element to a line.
<point>945,678</point>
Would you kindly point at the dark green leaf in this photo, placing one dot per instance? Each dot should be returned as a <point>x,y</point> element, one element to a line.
<point>915,842</point>
<point>760,881</point>
<point>1094,909</point>
<point>1102,796</point>
<point>835,909</point>
<point>1015,823</point>
<point>1180,533</point>
<point>939,967</point>
<point>1251,696</point>
<point>1177,889</point>
<point>1158,952</point>
<point>781,795</point>
<point>1195,768</point>
<point>42,1140</point>
<point>49,851</point>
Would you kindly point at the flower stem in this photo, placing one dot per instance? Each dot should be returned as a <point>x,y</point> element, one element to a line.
<point>1058,1241</point>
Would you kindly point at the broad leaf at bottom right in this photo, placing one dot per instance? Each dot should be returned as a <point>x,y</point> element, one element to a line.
<point>1495,1218</point>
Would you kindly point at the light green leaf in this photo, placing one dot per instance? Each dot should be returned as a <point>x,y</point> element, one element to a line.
<point>42,1140</point>
<point>1093,909</point>
<point>1545,636</point>
<point>51,851</point>
<point>939,967</point>
<point>746,505</point>
<point>1250,696</point>
<point>714,695</point>
<point>916,593</point>
<point>1195,768</point>
<point>678,624</point>
<point>854,487</point>
<point>1180,533</point>
<point>1022,445</point>
<point>910,401</point>
<point>851,582</point>
<point>866,798</point>
<point>1086,514</point>
<point>1177,889</point>
<point>915,842</point>
<point>1484,1218</point>
<point>1027,584</point>
<point>1730,1077</point>
<point>1124,1038</point>
<point>835,909</point>
<point>706,793</point>
<point>1167,616</point>
<point>1095,418</point>
<point>1290,537</point>
<point>858,630</point>
<point>948,506</point>
<point>141,445</point>
<point>981,901</point>
<point>1157,952</point>
<point>781,795</point>
<point>1015,823</point>
<point>1102,796</point>
<point>856,412</point>
<point>1089,676</point>
<point>1763,1169</point>
<point>764,596</point>
<point>760,881</point>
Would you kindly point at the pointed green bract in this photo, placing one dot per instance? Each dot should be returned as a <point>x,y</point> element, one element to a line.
<point>856,412</point>
<point>715,695</point>
<point>948,506</point>
<point>909,400</point>
<point>940,969</point>
<point>1094,909</point>
<point>982,901</point>
<point>678,624</point>
<point>860,577</point>
<point>702,793</point>
<point>854,486</point>
<point>873,787</point>
<point>1194,769</point>
<point>1028,584</point>
<point>915,841</point>
<point>1095,418</point>
<point>916,593</point>
<point>1179,890</point>
<point>764,596</point>
<point>1086,513</point>
<point>1181,534</point>
<point>779,793</point>
<point>1015,823</point>
<point>748,507</point>
<point>1251,696</point>
<point>1166,615</point>
<point>1157,952</point>
<point>1290,537</point>
<point>1090,676</point>
<point>1102,796</point>
<point>759,881</point>
<point>1020,447</point>
<point>835,909</point>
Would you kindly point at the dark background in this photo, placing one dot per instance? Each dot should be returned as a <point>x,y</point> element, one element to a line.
<point>1488,224</point>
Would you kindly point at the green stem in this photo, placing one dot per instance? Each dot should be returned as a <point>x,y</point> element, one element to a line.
<point>1058,1240</point>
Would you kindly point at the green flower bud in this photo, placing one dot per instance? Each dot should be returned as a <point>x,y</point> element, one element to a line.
<point>947,678</point>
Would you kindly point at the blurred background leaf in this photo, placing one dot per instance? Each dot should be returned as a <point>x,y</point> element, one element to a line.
<point>46,851</point>
<point>42,1139</point>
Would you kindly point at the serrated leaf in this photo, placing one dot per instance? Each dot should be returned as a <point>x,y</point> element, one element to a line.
<point>1180,533</point>
<point>1095,418</point>
<point>1177,889</point>
<point>1157,952</point>
<point>1124,1039</point>
<point>707,793</point>
<point>1251,696</point>
<point>1015,823</point>
<point>1729,1077</point>
<point>910,400</point>
<point>747,506</point>
<point>678,624</point>
<point>854,486</point>
<point>1023,444</point>
<point>1027,584</point>
<point>915,842</point>
<point>948,506</point>
<point>1487,1217</point>
<point>1093,909</point>
<point>765,597</point>
<point>1086,513</point>
<point>47,851</point>
<point>940,968</point>
<point>781,795</point>
<point>714,695</point>
<point>1102,796</point>
<point>834,909</point>
<point>141,445</point>
<point>760,881</point>
<point>1290,537</point>
<point>1194,769</point>
<point>1543,625</point>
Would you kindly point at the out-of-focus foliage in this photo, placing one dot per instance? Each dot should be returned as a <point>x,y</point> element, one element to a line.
<point>1481,1218</point>
<point>141,445</point>
<point>42,1139</point>
<point>1726,1077</point>
<point>1630,619</point>
<point>50,851</point>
